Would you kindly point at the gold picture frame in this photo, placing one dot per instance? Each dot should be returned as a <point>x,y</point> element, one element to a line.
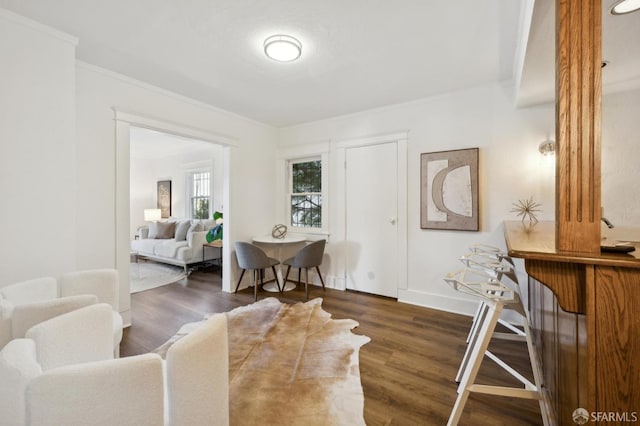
<point>164,198</point>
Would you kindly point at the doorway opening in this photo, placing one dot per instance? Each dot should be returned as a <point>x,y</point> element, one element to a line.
<point>128,127</point>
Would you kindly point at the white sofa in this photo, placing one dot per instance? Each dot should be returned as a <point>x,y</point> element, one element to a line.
<point>63,373</point>
<point>176,242</point>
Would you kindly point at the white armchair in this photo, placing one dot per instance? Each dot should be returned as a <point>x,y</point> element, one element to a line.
<point>20,294</point>
<point>124,392</point>
<point>76,337</point>
<point>197,376</point>
<point>18,366</point>
<point>102,283</point>
<point>64,373</point>
<point>36,290</point>
<point>26,316</point>
<point>27,303</point>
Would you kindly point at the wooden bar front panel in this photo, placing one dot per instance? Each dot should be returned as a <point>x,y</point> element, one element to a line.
<point>559,337</point>
<point>615,338</point>
<point>591,356</point>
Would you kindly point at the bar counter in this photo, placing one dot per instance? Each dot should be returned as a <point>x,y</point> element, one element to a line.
<point>584,309</point>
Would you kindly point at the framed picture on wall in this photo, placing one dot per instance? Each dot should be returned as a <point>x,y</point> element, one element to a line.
<point>164,198</point>
<point>449,190</point>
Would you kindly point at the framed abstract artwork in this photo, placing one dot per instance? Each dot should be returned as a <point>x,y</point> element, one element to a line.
<point>164,198</point>
<point>449,190</point>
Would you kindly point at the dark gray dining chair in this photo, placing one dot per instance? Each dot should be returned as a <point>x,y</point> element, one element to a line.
<point>310,256</point>
<point>253,258</point>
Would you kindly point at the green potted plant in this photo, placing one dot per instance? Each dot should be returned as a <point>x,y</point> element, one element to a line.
<point>215,233</point>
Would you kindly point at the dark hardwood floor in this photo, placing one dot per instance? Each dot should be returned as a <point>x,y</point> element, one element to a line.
<point>407,370</point>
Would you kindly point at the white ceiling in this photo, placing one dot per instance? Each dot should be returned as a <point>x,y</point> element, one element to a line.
<point>620,48</point>
<point>150,144</point>
<point>357,54</point>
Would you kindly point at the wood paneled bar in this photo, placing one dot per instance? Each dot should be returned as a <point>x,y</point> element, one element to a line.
<point>585,313</point>
<point>584,305</point>
<point>578,118</point>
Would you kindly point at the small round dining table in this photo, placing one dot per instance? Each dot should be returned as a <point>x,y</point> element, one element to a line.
<point>279,243</point>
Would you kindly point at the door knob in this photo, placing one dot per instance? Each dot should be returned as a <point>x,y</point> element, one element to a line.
<point>392,220</point>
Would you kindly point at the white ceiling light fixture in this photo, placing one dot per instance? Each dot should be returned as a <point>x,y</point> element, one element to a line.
<point>625,6</point>
<point>282,48</point>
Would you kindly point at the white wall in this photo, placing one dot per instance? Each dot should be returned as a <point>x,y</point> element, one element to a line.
<point>250,161</point>
<point>142,191</point>
<point>37,150</point>
<point>59,165</point>
<point>146,172</point>
<point>510,169</point>
<point>47,97</point>
<point>620,163</point>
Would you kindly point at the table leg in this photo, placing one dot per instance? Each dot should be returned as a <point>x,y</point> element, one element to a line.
<point>272,287</point>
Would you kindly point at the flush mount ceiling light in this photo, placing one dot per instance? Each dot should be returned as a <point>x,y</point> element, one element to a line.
<point>625,6</point>
<point>282,48</point>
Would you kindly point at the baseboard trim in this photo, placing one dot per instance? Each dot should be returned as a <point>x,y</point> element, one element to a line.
<point>126,318</point>
<point>451,304</point>
<point>455,305</point>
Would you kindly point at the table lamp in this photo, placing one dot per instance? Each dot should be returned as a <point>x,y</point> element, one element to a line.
<point>152,215</point>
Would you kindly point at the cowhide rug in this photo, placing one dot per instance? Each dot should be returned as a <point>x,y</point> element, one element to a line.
<point>291,365</point>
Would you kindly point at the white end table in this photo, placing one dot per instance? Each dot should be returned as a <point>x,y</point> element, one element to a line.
<point>279,242</point>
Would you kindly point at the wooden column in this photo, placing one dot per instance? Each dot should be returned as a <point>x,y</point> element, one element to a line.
<point>578,119</point>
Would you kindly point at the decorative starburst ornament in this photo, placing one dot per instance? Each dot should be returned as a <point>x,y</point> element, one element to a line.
<point>526,209</point>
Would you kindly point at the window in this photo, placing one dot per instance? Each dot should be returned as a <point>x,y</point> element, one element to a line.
<point>200,194</point>
<point>305,193</point>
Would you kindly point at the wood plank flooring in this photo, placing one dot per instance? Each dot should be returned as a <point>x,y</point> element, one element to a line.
<point>407,370</point>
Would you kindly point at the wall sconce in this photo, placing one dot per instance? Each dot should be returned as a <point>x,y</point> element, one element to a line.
<point>152,215</point>
<point>547,148</point>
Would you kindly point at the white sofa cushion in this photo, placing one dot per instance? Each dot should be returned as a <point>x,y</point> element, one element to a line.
<point>168,248</point>
<point>144,245</point>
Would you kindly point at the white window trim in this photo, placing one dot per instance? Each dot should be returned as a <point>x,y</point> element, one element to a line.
<point>301,153</point>
<point>290,164</point>
<point>197,167</point>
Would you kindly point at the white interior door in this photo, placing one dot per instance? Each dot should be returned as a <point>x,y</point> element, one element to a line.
<point>371,190</point>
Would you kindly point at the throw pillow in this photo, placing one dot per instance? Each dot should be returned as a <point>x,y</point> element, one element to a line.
<point>166,230</point>
<point>181,230</point>
<point>195,227</point>
<point>153,230</point>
